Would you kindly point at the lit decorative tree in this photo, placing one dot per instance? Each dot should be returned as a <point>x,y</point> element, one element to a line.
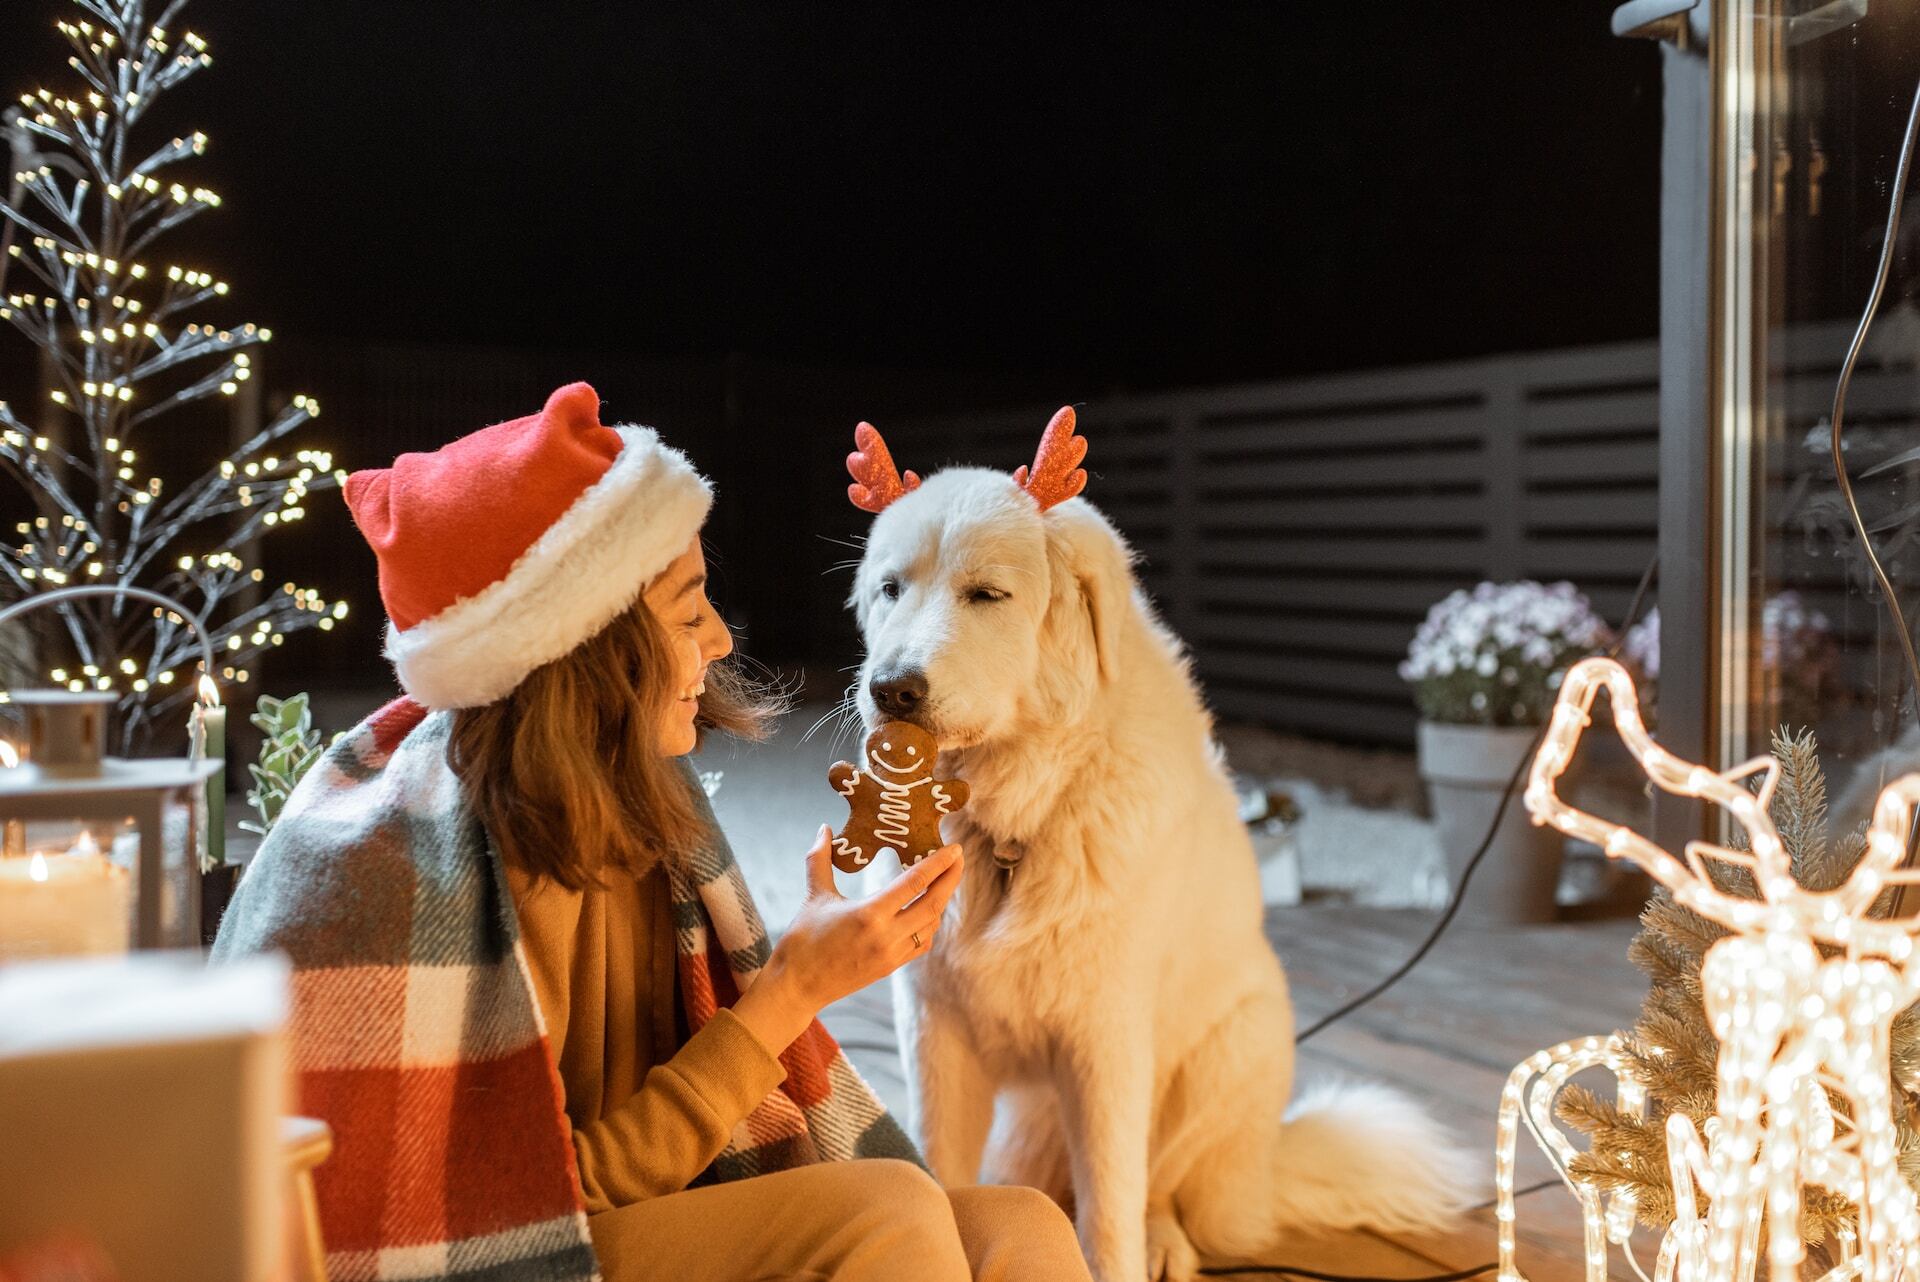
<point>86,213</point>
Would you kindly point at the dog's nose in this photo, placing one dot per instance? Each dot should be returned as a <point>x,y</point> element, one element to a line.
<point>899,696</point>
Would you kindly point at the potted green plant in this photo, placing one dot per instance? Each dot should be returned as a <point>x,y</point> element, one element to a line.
<point>1485,666</point>
<point>289,746</point>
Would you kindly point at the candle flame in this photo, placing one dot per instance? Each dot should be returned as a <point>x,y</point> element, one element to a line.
<point>86,845</point>
<point>9,755</point>
<point>37,867</point>
<point>209,692</point>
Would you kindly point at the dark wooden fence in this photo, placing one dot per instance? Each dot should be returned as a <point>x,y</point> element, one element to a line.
<point>1295,532</point>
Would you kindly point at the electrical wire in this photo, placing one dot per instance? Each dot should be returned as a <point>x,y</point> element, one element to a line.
<point>1315,1275</point>
<point>1892,600</point>
<point>1486,843</point>
<point>1895,198</point>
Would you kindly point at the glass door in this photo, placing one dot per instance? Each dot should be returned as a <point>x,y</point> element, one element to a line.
<point>1811,103</point>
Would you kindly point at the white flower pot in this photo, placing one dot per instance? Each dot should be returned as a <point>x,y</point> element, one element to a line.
<point>1466,769</point>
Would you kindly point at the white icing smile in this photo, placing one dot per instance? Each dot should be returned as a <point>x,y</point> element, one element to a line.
<point>890,768</point>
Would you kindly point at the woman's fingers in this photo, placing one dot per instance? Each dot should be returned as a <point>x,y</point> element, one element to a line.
<point>820,865</point>
<point>913,883</point>
<point>925,912</point>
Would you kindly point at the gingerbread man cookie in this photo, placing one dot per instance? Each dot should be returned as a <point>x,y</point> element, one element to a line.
<point>895,801</point>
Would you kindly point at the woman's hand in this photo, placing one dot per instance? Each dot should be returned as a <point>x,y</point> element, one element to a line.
<point>838,946</point>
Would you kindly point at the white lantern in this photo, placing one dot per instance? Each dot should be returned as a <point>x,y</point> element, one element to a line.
<point>72,898</point>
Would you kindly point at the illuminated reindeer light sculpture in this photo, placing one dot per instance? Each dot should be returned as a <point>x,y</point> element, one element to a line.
<point>1801,996</point>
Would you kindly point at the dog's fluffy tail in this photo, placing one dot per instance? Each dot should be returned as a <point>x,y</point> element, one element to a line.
<point>1356,1154</point>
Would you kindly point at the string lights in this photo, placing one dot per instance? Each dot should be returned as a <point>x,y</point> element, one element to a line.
<point>85,212</point>
<point>1801,996</point>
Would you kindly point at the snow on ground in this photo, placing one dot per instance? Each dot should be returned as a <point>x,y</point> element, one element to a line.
<point>775,796</point>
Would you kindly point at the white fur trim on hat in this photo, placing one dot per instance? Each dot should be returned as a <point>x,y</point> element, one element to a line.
<point>577,577</point>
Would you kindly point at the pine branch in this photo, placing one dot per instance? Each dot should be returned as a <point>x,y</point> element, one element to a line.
<point>1800,809</point>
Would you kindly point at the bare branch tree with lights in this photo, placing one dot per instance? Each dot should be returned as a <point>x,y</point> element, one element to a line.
<point>83,224</point>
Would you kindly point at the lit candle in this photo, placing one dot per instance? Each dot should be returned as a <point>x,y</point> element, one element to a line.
<point>61,903</point>
<point>13,833</point>
<point>210,721</point>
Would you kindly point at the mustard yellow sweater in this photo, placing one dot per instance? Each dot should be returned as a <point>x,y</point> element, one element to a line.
<point>650,1106</point>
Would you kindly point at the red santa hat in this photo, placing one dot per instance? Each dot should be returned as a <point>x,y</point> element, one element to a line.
<point>504,550</point>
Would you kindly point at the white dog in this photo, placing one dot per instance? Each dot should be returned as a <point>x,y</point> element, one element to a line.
<point>1114,988</point>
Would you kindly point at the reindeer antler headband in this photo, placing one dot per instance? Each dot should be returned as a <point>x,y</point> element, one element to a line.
<point>1054,477</point>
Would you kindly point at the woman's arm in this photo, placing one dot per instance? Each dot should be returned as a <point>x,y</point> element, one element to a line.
<point>686,1109</point>
<point>681,1117</point>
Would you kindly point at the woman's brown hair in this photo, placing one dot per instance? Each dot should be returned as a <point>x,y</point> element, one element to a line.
<point>566,772</point>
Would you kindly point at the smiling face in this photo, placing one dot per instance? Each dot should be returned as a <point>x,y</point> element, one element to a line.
<point>899,752</point>
<point>697,636</point>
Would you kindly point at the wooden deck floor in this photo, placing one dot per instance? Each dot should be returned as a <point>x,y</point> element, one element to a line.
<point>1449,1034</point>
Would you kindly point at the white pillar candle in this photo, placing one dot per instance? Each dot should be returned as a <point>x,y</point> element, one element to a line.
<point>212,719</point>
<point>13,833</point>
<point>63,903</point>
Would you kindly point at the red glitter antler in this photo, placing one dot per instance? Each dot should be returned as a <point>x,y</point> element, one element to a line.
<point>1056,475</point>
<point>876,482</point>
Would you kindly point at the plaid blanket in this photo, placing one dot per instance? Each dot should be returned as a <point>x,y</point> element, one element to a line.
<point>417,1038</point>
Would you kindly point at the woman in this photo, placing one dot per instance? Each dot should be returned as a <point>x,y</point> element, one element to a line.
<point>531,994</point>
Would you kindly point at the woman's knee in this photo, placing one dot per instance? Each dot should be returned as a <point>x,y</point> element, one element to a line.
<point>1011,1233</point>
<point>1009,1205</point>
<point>898,1213</point>
<point>901,1188</point>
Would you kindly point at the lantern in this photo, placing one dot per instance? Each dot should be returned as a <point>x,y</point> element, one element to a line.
<point>70,896</point>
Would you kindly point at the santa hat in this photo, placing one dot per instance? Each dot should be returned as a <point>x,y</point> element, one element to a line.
<point>504,550</point>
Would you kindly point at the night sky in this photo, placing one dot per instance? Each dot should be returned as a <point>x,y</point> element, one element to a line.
<point>1126,195</point>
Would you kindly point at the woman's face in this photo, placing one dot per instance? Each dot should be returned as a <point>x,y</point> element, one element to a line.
<point>697,635</point>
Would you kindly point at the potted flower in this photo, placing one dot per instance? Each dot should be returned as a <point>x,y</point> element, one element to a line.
<point>1485,667</point>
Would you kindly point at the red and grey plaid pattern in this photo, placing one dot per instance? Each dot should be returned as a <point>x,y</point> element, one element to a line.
<point>417,1038</point>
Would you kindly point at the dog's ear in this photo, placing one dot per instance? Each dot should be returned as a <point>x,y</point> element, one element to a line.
<point>1092,572</point>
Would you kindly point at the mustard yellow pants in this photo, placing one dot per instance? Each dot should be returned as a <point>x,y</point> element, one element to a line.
<point>865,1221</point>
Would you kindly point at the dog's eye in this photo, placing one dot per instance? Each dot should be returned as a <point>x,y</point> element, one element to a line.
<point>890,589</point>
<point>985,595</point>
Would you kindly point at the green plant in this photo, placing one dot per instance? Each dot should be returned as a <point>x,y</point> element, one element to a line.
<point>289,749</point>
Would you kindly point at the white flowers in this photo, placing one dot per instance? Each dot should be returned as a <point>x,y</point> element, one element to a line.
<point>1495,655</point>
<point>1799,657</point>
<point>1475,630</point>
<point>1641,649</point>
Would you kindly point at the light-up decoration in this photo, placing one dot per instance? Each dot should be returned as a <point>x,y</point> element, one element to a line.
<point>1794,1028</point>
<point>93,197</point>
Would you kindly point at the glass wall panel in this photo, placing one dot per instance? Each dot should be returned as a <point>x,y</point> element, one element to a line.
<point>1813,106</point>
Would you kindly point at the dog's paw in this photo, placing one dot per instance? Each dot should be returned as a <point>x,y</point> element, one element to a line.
<point>1170,1256</point>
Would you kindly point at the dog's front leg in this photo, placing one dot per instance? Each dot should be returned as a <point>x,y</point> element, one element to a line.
<point>956,1097</point>
<point>1106,1092</point>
